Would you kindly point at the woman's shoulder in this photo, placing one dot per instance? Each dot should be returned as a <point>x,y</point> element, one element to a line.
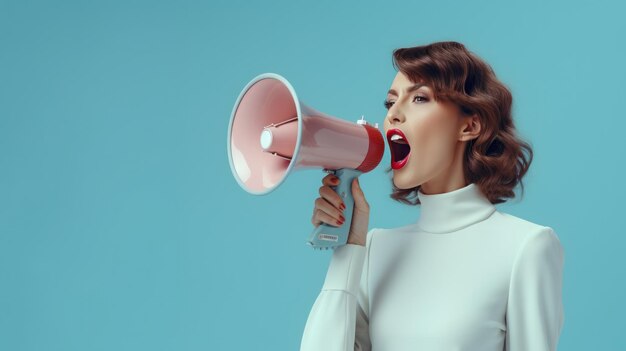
<point>530,244</point>
<point>517,227</point>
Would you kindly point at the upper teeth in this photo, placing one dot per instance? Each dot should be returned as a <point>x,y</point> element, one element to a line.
<point>396,137</point>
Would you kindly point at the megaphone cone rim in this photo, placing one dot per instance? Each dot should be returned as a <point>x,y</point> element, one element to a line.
<point>230,126</point>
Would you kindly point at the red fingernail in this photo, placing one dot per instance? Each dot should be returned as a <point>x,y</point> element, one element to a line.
<point>341,218</point>
<point>339,222</point>
<point>342,206</point>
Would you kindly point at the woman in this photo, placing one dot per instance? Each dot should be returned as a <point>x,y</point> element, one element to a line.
<point>464,276</point>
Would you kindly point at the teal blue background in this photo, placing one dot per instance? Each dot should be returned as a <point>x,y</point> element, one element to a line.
<point>122,228</point>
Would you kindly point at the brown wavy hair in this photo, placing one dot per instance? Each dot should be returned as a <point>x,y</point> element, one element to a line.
<point>497,159</point>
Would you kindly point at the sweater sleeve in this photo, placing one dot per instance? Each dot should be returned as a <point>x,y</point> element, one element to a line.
<point>339,320</point>
<point>534,314</point>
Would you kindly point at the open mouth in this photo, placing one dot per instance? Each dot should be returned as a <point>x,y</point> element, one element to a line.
<point>399,146</point>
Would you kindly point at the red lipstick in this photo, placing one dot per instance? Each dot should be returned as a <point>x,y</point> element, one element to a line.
<point>400,151</point>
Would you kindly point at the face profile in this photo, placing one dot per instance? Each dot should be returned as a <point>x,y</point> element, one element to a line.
<point>426,136</point>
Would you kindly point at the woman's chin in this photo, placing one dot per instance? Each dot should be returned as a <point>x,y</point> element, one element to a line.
<point>401,183</point>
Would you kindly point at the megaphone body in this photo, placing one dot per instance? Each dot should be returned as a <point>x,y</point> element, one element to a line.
<point>272,133</point>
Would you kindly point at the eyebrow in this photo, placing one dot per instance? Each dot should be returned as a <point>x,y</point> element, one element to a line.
<point>408,90</point>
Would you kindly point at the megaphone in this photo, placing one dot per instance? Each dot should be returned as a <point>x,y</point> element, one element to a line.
<point>272,133</point>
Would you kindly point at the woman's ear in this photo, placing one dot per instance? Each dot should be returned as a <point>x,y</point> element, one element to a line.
<point>470,128</point>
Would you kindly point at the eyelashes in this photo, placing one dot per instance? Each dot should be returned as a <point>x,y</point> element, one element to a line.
<point>388,103</point>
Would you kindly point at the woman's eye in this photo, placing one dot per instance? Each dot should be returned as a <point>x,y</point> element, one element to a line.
<point>424,99</point>
<point>388,104</point>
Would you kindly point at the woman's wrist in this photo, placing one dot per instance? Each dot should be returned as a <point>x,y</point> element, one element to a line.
<point>355,243</point>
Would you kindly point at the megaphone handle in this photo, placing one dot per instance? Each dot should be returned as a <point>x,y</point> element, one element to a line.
<point>327,236</point>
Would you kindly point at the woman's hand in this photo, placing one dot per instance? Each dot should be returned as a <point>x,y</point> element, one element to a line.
<point>329,209</point>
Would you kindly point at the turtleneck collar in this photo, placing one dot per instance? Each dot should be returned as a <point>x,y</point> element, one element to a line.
<point>451,211</point>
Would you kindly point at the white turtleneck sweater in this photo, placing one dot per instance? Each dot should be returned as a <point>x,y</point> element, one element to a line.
<point>463,277</point>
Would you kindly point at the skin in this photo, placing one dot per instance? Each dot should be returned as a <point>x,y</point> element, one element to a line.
<point>437,133</point>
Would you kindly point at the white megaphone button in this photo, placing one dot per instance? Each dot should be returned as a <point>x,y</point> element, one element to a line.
<point>266,139</point>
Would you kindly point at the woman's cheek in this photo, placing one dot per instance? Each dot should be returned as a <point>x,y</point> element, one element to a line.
<point>433,147</point>
<point>426,142</point>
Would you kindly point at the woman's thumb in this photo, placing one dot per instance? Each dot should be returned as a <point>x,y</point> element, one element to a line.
<point>357,193</point>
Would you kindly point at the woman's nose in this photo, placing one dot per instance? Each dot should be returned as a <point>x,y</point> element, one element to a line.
<point>394,116</point>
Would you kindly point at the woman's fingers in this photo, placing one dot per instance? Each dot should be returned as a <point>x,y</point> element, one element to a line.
<point>331,196</point>
<point>330,179</point>
<point>329,207</point>
<point>335,213</point>
<point>320,216</point>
